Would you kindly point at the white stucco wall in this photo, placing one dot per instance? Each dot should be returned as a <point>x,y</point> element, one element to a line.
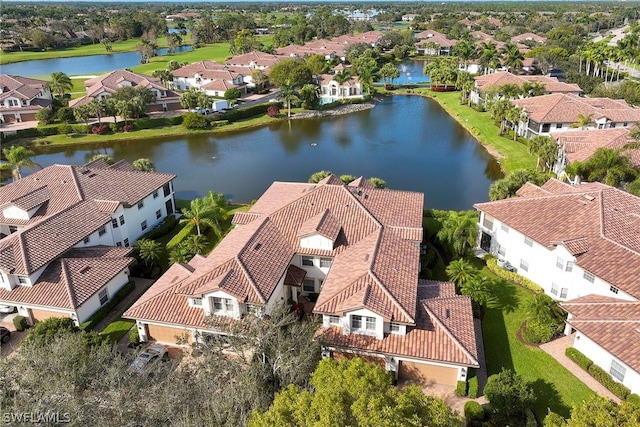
<point>207,304</point>
<point>316,241</point>
<point>347,323</point>
<point>92,304</point>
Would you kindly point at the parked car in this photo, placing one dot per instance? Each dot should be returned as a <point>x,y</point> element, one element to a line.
<point>204,111</point>
<point>152,354</point>
<point>5,335</point>
<point>6,309</point>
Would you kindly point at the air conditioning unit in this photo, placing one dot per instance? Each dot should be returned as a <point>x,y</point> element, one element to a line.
<point>392,364</point>
<point>326,354</point>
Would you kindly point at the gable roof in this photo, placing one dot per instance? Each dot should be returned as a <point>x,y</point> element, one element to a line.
<point>551,84</point>
<point>580,145</point>
<point>596,222</point>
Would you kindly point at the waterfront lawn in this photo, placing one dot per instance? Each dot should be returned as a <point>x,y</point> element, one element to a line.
<point>555,387</point>
<point>513,155</point>
<point>217,52</point>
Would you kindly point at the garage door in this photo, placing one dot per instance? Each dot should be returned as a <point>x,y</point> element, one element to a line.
<point>369,359</point>
<point>39,315</point>
<point>167,335</point>
<point>428,373</point>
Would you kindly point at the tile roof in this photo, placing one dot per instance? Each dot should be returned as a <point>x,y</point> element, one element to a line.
<point>579,145</point>
<point>444,330</point>
<point>565,108</point>
<point>596,222</point>
<point>612,323</point>
<point>72,279</point>
<point>551,84</point>
<point>23,88</point>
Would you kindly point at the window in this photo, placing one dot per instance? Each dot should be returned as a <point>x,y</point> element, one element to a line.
<point>22,280</point>
<point>546,127</point>
<point>334,320</point>
<point>617,371</point>
<point>143,225</point>
<point>569,266</point>
<point>325,262</point>
<point>309,285</point>
<point>502,250</point>
<point>12,229</point>
<point>307,260</point>
<point>158,213</point>
<point>564,292</point>
<point>119,244</point>
<point>104,296</point>
<point>554,289</point>
<point>560,263</point>
<point>613,289</point>
<point>505,228</point>
<point>588,277</point>
<point>86,240</point>
<point>102,231</point>
<point>166,189</point>
<point>363,322</point>
<point>558,125</point>
<point>155,194</point>
<point>394,328</point>
<point>528,242</point>
<point>121,219</point>
<point>487,222</point>
<point>140,204</point>
<point>222,304</point>
<point>114,222</point>
<point>253,309</point>
<point>524,265</point>
<point>613,125</point>
<point>197,302</point>
<point>126,243</point>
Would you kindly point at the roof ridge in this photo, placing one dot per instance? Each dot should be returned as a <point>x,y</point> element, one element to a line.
<point>75,181</point>
<point>66,276</point>
<point>251,280</point>
<point>446,330</point>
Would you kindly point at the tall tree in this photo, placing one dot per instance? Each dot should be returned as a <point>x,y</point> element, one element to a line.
<point>16,158</point>
<point>199,214</point>
<point>460,271</point>
<point>144,165</point>
<point>459,231</point>
<point>512,57</point>
<point>60,83</point>
<point>288,93</point>
<point>148,250</point>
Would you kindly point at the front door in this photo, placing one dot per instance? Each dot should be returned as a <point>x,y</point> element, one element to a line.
<point>485,242</point>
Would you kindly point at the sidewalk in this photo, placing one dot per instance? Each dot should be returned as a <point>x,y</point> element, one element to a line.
<point>556,349</point>
<point>141,286</point>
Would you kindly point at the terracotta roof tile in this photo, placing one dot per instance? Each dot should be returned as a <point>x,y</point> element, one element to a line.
<point>579,145</point>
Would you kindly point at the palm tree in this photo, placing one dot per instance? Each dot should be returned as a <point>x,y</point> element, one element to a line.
<point>465,51</point>
<point>165,76</point>
<point>60,83</point>
<point>199,213</point>
<point>499,110</point>
<point>16,158</point>
<point>144,165</point>
<point>515,115</point>
<point>488,56</point>
<point>389,72</point>
<point>96,107</point>
<point>480,290</point>
<point>583,121</point>
<point>341,77</point>
<point>512,56</point>
<point>288,93</point>
<point>104,157</point>
<point>545,148</point>
<point>544,309</point>
<point>530,89</point>
<point>459,230</point>
<point>460,271</point>
<point>149,251</point>
<point>219,210</point>
<point>610,167</point>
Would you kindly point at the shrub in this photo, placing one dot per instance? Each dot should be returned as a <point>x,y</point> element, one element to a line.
<point>45,332</point>
<point>583,361</point>
<point>80,128</point>
<point>134,337</point>
<point>634,400</point>
<point>100,129</point>
<point>492,265</point>
<point>194,121</point>
<point>44,115</point>
<point>241,113</point>
<point>537,332</point>
<point>182,234</point>
<point>473,413</point>
<point>232,93</point>
<point>163,227</point>
<point>219,123</point>
<point>20,322</point>
<point>65,129</point>
<point>273,110</point>
<point>105,309</point>
<point>605,379</point>
<point>554,420</point>
<point>65,114</point>
<point>461,388</point>
<point>509,395</point>
<point>127,128</point>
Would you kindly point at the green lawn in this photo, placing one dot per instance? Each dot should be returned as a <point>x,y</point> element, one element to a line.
<point>117,329</point>
<point>217,52</point>
<point>555,387</point>
<point>512,155</point>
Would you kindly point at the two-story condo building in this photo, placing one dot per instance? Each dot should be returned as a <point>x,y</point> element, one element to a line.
<point>66,233</point>
<point>211,78</point>
<point>581,244</point>
<point>351,252</point>
<point>21,98</point>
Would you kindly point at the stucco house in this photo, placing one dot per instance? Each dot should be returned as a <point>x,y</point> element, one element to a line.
<point>528,37</point>
<point>105,85</point>
<point>348,253</point>
<point>331,90</point>
<point>66,233</point>
<point>21,98</point>
<point>562,112</point>
<point>434,43</point>
<point>211,78</point>
<point>581,244</point>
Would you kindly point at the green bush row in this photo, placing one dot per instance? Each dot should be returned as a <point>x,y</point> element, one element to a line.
<point>577,356</point>
<point>461,388</point>
<point>634,399</point>
<point>605,379</point>
<point>163,227</point>
<point>240,113</point>
<point>509,276</point>
<point>105,309</point>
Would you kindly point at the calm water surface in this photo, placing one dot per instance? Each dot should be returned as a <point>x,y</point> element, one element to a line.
<point>79,65</point>
<point>408,141</point>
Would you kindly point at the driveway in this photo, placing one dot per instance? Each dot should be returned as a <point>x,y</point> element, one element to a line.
<point>6,350</point>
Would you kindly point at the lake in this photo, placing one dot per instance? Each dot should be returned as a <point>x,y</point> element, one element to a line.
<point>411,72</point>
<point>408,141</point>
<point>80,65</point>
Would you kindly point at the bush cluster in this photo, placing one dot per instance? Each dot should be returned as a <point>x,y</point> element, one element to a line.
<point>539,332</point>
<point>240,114</point>
<point>461,388</point>
<point>100,129</point>
<point>492,265</point>
<point>605,379</point>
<point>473,413</point>
<point>634,399</point>
<point>163,227</point>
<point>195,121</point>
<point>105,309</point>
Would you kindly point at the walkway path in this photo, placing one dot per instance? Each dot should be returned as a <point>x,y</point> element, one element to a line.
<point>556,349</point>
<point>141,286</point>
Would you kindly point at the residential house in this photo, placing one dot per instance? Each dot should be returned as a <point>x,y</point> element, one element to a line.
<point>254,60</point>
<point>66,232</point>
<point>331,90</point>
<point>210,77</point>
<point>434,44</point>
<point>409,17</point>
<point>581,244</point>
<point>103,86</point>
<point>21,98</point>
<point>352,252</point>
<point>563,112</point>
<point>580,145</point>
<point>528,37</point>
<point>495,80</point>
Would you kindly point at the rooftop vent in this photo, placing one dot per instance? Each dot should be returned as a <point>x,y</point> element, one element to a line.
<point>85,269</point>
<point>447,313</point>
<point>257,246</point>
<point>84,171</point>
<point>589,197</point>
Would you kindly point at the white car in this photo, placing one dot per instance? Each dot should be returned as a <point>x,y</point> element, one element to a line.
<point>153,353</point>
<point>7,309</point>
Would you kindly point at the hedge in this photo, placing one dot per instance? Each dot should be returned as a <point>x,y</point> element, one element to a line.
<point>492,265</point>
<point>473,412</point>
<point>105,309</point>
<point>634,399</point>
<point>163,227</point>
<point>583,361</point>
<point>182,234</point>
<point>240,113</point>
<point>461,388</point>
<point>605,379</point>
